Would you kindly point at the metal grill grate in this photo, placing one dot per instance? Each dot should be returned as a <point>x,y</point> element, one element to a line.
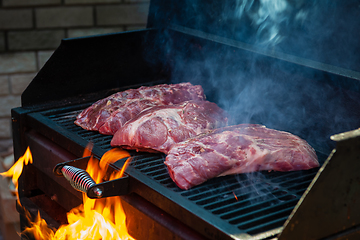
<point>253,203</point>
<point>66,120</point>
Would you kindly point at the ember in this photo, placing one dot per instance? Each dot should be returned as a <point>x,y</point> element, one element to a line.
<point>95,218</point>
<point>235,196</point>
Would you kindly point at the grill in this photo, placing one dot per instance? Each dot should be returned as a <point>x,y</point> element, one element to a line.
<point>260,205</point>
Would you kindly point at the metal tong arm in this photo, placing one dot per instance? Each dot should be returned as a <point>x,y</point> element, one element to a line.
<point>81,181</point>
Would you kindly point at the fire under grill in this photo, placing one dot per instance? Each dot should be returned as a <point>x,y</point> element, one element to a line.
<point>250,204</point>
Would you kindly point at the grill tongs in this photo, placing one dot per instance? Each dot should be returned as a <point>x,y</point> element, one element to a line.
<point>74,171</point>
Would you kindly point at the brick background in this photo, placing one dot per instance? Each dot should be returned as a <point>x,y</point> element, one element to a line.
<point>30,31</point>
<point>4,83</point>
<point>11,3</point>
<point>7,103</point>
<point>91,1</point>
<point>19,82</point>
<point>80,32</point>
<point>16,18</point>
<point>16,62</point>
<point>121,14</point>
<point>56,17</point>
<point>2,42</point>
<point>29,40</point>
<point>5,128</point>
<point>42,57</point>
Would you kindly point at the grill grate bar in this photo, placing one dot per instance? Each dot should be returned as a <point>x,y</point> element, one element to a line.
<point>295,181</point>
<point>146,166</point>
<point>258,211</point>
<point>215,184</point>
<point>269,225</point>
<point>260,218</point>
<point>232,205</point>
<point>163,176</point>
<point>227,184</point>
<point>146,163</point>
<point>302,185</point>
<point>248,190</point>
<point>63,116</point>
<point>155,172</point>
<point>170,184</point>
<point>251,204</point>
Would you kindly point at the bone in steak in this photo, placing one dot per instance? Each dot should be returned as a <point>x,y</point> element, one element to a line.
<point>109,114</point>
<point>237,149</point>
<point>158,128</point>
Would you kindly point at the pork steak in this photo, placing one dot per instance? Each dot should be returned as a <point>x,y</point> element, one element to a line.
<point>160,127</point>
<point>237,149</point>
<point>109,114</point>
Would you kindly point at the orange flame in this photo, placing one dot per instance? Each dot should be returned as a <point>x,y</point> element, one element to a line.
<point>39,229</point>
<point>88,149</point>
<point>99,219</point>
<point>15,171</point>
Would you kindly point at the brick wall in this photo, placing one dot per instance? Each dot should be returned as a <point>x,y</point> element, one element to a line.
<point>30,30</point>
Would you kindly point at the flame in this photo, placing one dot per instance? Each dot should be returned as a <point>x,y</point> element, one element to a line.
<point>88,149</point>
<point>15,171</point>
<point>112,156</point>
<point>39,229</point>
<point>99,219</point>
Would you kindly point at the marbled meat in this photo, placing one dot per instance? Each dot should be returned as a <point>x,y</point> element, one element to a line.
<point>160,127</point>
<point>237,149</point>
<point>109,114</point>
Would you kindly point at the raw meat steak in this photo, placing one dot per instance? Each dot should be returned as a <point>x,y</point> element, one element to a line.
<point>237,149</point>
<point>109,114</point>
<point>160,127</point>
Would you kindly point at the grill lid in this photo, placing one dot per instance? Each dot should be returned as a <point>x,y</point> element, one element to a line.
<point>86,69</point>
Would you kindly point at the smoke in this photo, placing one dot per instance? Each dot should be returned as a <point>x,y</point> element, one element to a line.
<point>267,16</point>
<point>321,30</point>
<point>255,88</point>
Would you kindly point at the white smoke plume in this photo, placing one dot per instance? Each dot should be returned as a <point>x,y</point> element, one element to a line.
<point>270,17</point>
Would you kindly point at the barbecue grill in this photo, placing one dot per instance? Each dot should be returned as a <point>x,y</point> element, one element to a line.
<point>314,100</point>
